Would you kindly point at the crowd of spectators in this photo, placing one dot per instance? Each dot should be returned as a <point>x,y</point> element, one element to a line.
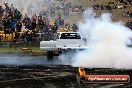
<point>66,8</point>
<point>127,14</point>
<point>125,2</point>
<point>101,7</point>
<point>15,27</point>
<point>115,4</point>
<point>129,24</point>
<point>108,6</point>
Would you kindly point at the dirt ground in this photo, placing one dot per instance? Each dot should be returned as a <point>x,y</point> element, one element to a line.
<point>53,76</point>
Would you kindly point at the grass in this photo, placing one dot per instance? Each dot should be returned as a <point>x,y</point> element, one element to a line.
<point>116,13</point>
<point>19,49</point>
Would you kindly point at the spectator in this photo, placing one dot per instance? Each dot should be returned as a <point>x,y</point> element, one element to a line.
<point>52,12</point>
<point>74,27</point>
<point>1,25</point>
<point>54,28</point>
<point>19,26</point>
<point>1,11</point>
<point>33,25</point>
<point>12,8</point>
<point>129,24</point>
<point>7,9</point>
<point>28,23</point>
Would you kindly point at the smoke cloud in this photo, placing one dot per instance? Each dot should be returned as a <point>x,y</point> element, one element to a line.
<point>23,59</point>
<point>29,7</point>
<point>107,41</point>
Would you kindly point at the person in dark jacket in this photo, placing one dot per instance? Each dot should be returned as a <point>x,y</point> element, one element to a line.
<point>1,11</point>
<point>33,25</point>
<point>19,26</point>
<point>54,28</point>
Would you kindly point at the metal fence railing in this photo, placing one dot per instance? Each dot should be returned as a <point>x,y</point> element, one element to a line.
<point>32,38</point>
<point>19,44</point>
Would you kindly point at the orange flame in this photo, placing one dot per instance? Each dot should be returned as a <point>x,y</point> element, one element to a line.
<point>81,71</point>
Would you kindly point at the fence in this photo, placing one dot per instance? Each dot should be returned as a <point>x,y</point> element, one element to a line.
<point>19,44</point>
<point>22,42</point>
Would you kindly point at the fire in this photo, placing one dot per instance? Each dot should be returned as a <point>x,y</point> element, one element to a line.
<point>81,71</point>
<point>83,78</point>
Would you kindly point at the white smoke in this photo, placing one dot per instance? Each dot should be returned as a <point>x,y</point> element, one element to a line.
<point>23,59</point>
<point>29,7</point>
<point>107,41</point>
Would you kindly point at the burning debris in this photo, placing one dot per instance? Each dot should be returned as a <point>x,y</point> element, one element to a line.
<point>83,78</point>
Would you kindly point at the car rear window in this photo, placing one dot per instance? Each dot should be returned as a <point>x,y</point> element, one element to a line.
<point>70,36</point>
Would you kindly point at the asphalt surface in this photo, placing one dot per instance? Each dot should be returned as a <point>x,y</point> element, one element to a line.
<point>53,76</point>
<point>20,71</point>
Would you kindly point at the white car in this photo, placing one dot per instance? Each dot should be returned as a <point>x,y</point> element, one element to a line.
<point>63,41</point>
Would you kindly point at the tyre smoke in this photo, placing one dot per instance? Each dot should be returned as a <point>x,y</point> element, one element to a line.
<point>107,41</point>
<point>23,59</point>
<point>29,7</point>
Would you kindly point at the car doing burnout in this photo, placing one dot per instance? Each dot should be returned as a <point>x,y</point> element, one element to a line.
<point>63,41</point>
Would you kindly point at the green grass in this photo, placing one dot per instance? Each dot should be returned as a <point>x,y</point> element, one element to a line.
<point>19,49</point>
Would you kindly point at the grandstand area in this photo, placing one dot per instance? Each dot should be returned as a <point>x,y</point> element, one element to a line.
<point>18,28</point>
